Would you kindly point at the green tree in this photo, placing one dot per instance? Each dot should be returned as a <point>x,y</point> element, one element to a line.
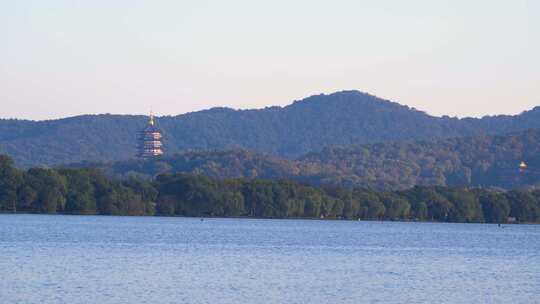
<point>371,206</point>
<point>44,190</point>
<point>80,197</point>
<point>10,181</point>
<point>466,207</point>
<point>524,206</point>
<point>396,207</point>
<point>495,206</point>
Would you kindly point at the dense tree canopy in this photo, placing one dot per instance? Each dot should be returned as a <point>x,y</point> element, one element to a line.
<point>10,182</point>
<point>88,191</point>
<point>482,161</point>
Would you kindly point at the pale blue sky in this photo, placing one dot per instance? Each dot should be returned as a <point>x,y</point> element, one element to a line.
<point>466,58</point>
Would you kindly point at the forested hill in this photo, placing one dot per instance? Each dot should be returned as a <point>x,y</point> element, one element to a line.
<point>481,161</point>
<point>309,125</point>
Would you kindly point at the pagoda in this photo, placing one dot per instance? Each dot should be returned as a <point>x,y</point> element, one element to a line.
<point>150,140</point>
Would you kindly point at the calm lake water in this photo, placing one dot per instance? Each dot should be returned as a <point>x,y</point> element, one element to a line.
<point>93,259</point>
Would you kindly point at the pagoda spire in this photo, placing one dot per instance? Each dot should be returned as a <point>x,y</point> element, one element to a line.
<point>151,122</point>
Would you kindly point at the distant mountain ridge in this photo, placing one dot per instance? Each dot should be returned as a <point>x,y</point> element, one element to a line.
<point>308,125</point>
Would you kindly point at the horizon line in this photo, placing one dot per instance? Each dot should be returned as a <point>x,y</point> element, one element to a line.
<point>381,99</point>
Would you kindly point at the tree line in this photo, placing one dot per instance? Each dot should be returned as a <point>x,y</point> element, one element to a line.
<point>481,161</point>
<point>89,191</point>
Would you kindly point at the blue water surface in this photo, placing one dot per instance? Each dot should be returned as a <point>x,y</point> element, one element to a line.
<point>99,259</point>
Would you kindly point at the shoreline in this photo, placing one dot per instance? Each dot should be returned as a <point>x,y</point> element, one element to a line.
<point>202,218</point>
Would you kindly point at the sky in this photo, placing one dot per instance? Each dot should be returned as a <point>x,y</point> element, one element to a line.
<point>460,58</point>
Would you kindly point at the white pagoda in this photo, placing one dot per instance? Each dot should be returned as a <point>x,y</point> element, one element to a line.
<point>150,144</point>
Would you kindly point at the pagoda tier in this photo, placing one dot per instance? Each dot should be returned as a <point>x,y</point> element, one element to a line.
<point>149,141</point>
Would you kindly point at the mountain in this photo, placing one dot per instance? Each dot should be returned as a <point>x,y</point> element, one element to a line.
<point>481,161</point>
<point>308,125</point>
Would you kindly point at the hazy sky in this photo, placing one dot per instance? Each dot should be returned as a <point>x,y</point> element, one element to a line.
<point>457,57</point>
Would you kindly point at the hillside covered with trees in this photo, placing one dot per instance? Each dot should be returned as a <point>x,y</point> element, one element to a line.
<point>87,191</point>
<point>309,125</point>
<point>481,161</point>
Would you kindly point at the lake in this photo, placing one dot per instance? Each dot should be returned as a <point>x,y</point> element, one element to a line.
<point>99,259</point>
